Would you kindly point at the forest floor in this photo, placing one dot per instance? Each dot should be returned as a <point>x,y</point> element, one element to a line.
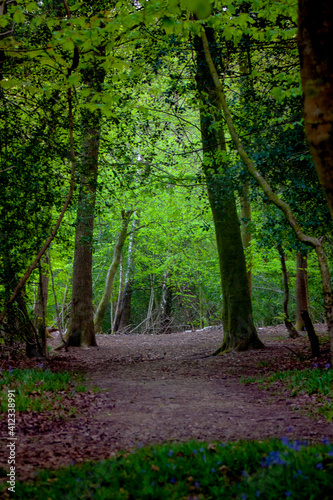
<point>158,388</point>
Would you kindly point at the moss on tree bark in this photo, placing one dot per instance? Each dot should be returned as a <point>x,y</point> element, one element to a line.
<point>239,330</point>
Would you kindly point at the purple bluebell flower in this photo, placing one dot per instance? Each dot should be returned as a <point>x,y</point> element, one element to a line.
<point>319,466</point>
<point>273,458</point>
<point>327,366</point>
<point>172,480</point>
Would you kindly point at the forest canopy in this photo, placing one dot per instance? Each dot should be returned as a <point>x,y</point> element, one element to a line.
<point>155,173</point>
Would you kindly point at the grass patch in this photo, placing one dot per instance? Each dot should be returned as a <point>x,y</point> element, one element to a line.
<point>274,469</point>
<point>249,380</point>
<point>309,381</point>
<point>37,389</point>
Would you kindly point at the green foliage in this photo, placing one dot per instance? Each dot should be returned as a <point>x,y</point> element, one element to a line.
<point>243,470</point>
<point>149,106</point>
<point>37,389</point>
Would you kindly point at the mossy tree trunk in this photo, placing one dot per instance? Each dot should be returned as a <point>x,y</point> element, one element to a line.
<point>81,324</point>
<point>239,330</point>
<point>315,243</point>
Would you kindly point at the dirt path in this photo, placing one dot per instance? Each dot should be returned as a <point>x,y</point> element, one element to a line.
<point>168,387</point>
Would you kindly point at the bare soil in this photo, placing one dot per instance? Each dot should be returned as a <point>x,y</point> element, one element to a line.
<point>158,388</point>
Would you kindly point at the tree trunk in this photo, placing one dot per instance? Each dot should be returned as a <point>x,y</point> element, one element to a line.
<point>246,97</point>
<point>125,311</point>
<point>105,300</point>
<point>273,198</point>
<point>81,329</point>
<point>239,330</point>
<point>81,324</point>
<point>166,306</point>
<point>314,341</point>
<point>42,293</point>
<point>302,296</point>
<point>315,41</point>
<point>293,333</point>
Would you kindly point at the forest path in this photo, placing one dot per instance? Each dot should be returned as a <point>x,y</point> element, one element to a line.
<point>168,387</point>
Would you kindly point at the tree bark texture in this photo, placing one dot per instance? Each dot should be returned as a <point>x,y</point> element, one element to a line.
<point>274,198</point>
<point>81,325</point>
<point>302,296</point>
<point>314,341</point>
<point>42,293</point>
<point>239,330</point>
<point>81,321</point>
<point>105,300</point>
<point>315,42</point>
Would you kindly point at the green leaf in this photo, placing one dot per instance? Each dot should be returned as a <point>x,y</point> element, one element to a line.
<point>31,7</point>
<point>18,17</point>
<point>202,8</point>
<point>3,21</point>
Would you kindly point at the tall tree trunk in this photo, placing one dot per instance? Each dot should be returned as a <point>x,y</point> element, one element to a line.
<point>246,97</point>
<point>239,330</point>
<point>302,295</point>
<point>105,300</point>
<point>314,243</point>
<point>293,333</point>
<point>315,41</point>
<point>81,329</point>
<point>81,324</point>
